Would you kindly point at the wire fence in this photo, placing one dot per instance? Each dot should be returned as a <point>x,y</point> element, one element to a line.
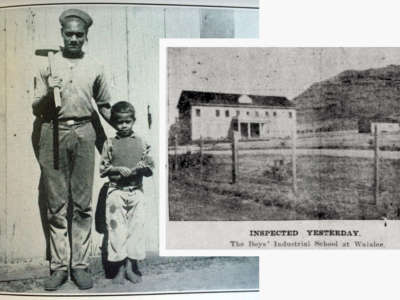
<point>265,174</point>
<point>210,161</point>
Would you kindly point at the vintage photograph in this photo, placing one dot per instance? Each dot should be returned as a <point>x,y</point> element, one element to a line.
<point>283,134</point>
<point>79,151</point>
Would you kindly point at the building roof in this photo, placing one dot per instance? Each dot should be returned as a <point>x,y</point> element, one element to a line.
<point>189,98</point>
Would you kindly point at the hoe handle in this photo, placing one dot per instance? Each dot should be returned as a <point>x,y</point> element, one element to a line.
<point>57,102</point>
<point>57,97</point>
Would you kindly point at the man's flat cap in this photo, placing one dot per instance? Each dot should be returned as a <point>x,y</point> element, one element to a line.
<point>73,12</point>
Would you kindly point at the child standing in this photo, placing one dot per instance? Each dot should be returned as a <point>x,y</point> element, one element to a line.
<point>125,160</point>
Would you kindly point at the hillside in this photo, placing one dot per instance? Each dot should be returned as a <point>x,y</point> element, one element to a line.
<point>342,100</point>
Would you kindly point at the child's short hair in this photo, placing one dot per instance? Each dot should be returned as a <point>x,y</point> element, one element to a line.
<point>122,107</point>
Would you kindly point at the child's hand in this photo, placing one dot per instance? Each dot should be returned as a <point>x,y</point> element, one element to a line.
<point>124,171</point>
<point>115,177</point>
<point>54,81</point>
<point>135,171</point>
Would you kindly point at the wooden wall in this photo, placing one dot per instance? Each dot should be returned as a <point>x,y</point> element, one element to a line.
<point>125,40</point>
<point>3,189</point>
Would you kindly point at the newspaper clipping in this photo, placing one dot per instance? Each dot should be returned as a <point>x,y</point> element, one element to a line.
<point>282,147</point>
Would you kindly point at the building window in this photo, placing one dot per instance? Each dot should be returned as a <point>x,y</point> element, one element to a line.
<point>266,113</point>
<point>197,112</point>
<point>290,115</point>
<point>274,113</point>
<point>227,113</point>
<point>217,113</point>
<point>257,114</point>
<point>255,130</point>
<point>248,113</point>
<point>244,130</point>
<point>238,113</point>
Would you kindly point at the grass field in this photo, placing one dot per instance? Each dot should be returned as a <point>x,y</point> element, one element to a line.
<point>328,188</point>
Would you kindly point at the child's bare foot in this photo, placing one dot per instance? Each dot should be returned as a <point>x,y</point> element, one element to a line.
<point>130,275</point>
<point>120,277</point>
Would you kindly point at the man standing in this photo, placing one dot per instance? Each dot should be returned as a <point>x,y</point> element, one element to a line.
<point>79,79</point>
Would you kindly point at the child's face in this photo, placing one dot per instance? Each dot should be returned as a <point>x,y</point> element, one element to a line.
<point>123,123</point>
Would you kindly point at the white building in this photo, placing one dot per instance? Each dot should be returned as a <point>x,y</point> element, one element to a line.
<point>215,115</point>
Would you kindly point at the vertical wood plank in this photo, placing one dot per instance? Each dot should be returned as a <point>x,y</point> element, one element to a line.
<point>107,44</point>
<point>23,218</point>
<point>246,23</point>
<point>3,142</point>
<point>46,33</point>
<point>145,26</point>
<point>182,22</point>
<point>217,23</point>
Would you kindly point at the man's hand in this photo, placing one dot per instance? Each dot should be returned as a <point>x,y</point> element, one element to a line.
<point>105,112</point>
<point>54,81</point>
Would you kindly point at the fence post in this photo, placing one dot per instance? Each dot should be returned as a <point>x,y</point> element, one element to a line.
<point>235,169</point>
<point>376,164</point>
<point>176,152</point>
<point>201,157</point>
<point>294,164</point>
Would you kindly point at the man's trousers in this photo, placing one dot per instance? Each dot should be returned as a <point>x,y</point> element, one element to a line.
<point>72,185</point>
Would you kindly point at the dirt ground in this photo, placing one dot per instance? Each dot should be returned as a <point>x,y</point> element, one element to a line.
<point>328,188</point>
<point>164,274</point>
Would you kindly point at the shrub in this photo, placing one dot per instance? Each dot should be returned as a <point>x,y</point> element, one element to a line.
<point>190,160</point>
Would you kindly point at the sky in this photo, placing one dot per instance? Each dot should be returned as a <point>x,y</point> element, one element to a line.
<point>264,71</point>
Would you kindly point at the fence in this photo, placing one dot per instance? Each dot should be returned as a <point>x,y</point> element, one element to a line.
<point>215,162</point>
<point>317,183</point>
